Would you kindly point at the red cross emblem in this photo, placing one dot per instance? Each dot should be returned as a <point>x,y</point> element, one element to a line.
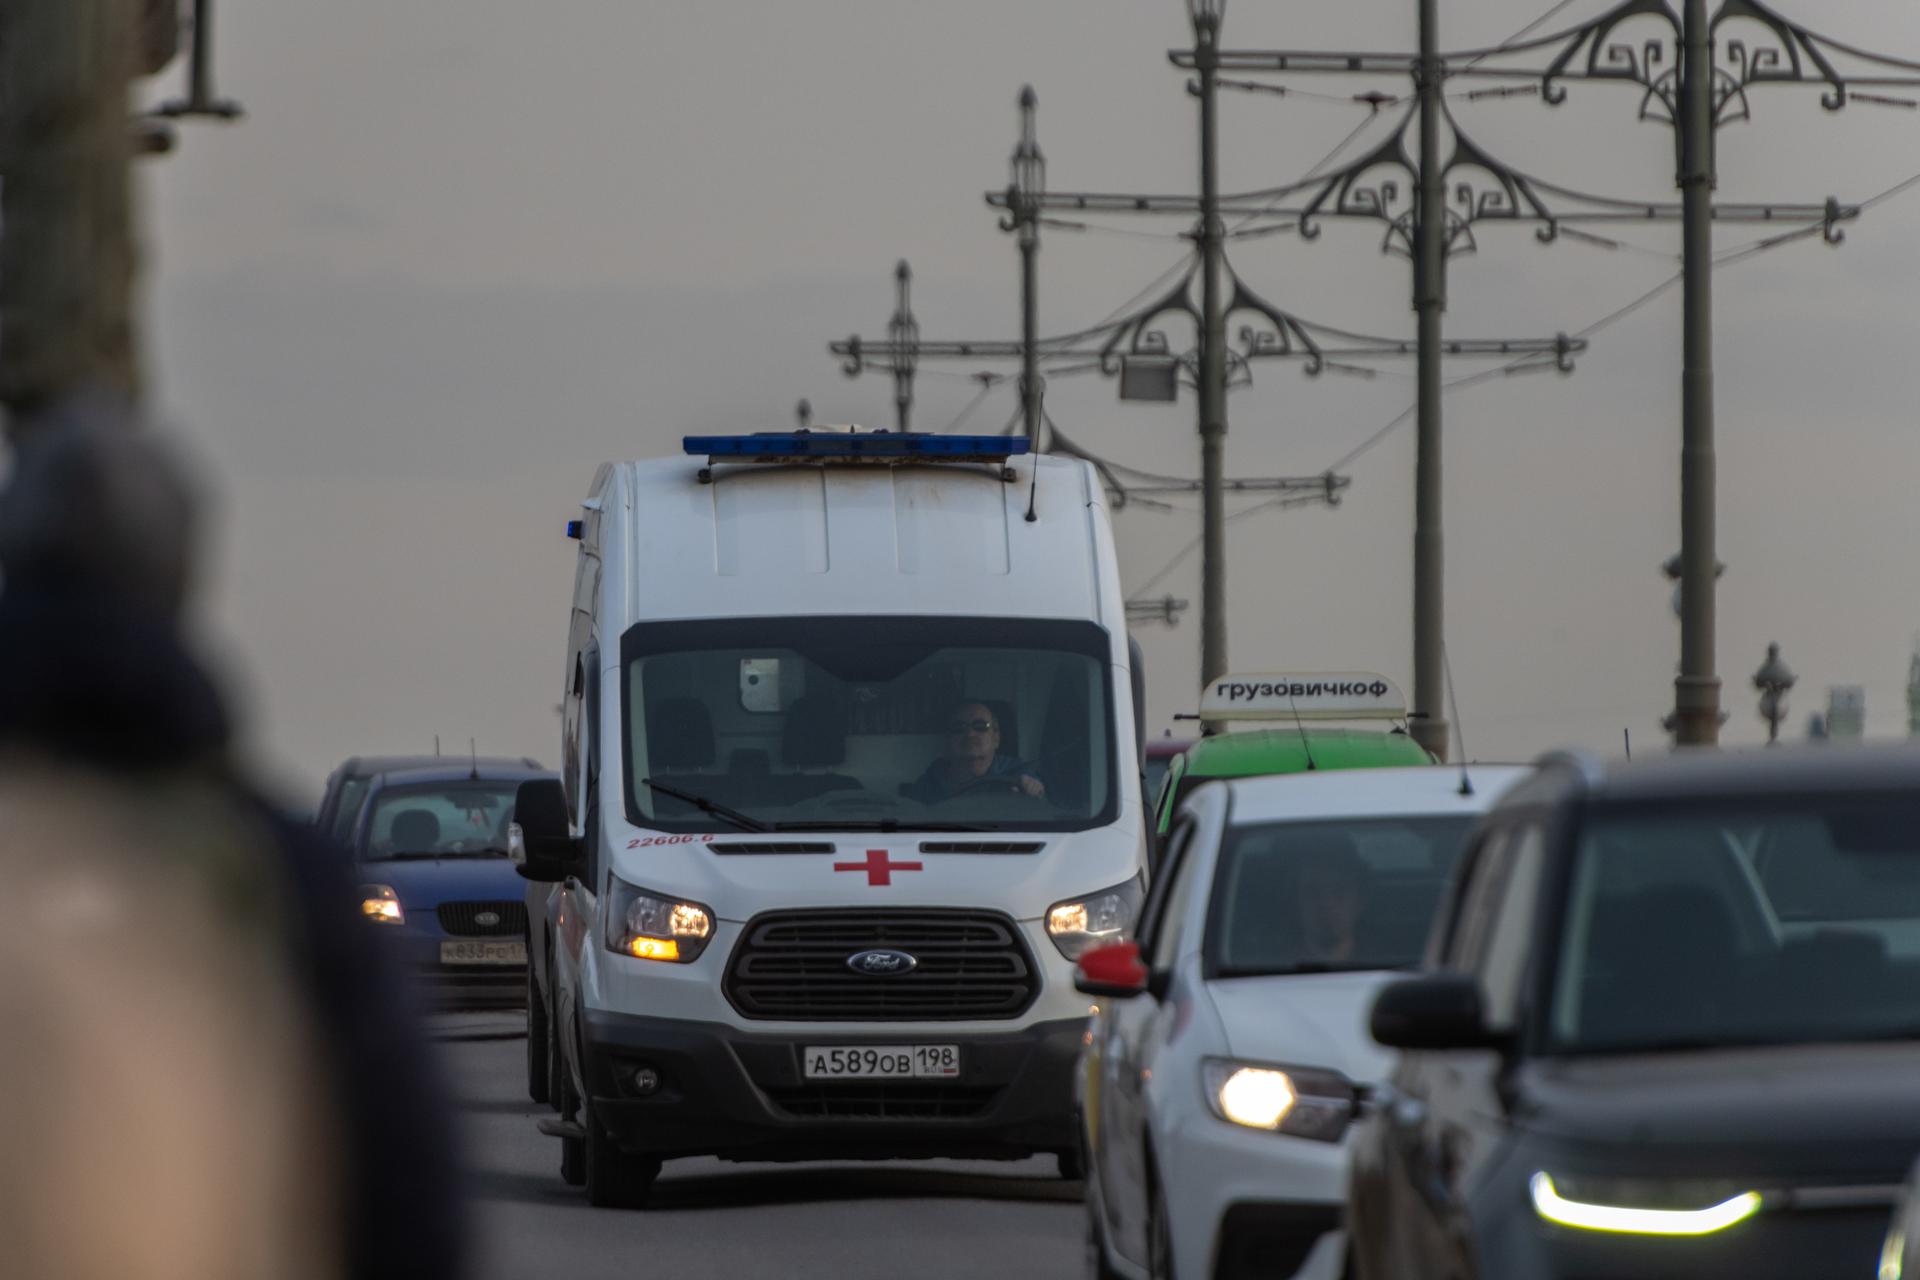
<point>878,869</point>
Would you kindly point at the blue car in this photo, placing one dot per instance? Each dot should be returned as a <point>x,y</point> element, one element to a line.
<point>430,852</point>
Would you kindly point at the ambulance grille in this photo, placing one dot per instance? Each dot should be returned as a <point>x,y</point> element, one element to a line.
<point>969,966</point>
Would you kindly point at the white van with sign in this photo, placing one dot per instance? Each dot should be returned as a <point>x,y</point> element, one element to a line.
<point>851,779</point>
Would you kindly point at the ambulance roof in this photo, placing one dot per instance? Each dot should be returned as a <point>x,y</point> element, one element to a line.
<point>757,539</point>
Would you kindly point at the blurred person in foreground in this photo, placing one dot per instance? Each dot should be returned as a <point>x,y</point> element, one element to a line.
<point>165,1119</point>
<point>222,1060</point>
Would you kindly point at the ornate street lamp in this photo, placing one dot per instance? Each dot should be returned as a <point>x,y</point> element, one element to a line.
<point>903,333</point>
<point>1773,679</point>
<point>1207,11</point>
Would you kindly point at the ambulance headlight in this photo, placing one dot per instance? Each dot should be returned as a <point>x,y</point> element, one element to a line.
<point>1300,1103</point>
<point>652,926</point>
<point>1097,919</point>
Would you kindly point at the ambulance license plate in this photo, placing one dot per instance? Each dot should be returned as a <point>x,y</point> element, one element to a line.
<point>476,952</point>
<point>881,1062</point>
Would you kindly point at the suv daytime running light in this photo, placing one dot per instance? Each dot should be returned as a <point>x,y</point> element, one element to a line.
<point>1549,1204</point>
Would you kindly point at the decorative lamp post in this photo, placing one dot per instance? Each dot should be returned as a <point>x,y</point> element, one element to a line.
<point>1210,237</point>
<point>1773,679</point>
<point>903,332</point>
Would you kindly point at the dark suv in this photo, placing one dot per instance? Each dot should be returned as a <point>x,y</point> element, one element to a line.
<point>1672,1028</point>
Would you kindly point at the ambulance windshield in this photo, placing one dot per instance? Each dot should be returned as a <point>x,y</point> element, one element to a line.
<point>871,723</point>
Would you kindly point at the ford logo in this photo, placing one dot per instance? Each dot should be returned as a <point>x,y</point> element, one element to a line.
<point>881,964</point>
<point>487,918</point>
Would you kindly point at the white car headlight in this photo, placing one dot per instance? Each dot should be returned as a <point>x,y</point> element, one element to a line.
<point>1095,920</point>
<point>1299,1102</point>
<point>380,904</point>
<point>651,926</point>
<point>1641,1208</point>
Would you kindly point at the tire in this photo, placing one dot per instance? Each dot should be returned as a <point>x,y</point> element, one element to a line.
<point>615,1179</point>
<point>1097,1268</point>
<point>573,1162</point>
<point>539,1044</point>
<point>1159,1238</point>
<point>556,1065</point>
<point>573,1151</point>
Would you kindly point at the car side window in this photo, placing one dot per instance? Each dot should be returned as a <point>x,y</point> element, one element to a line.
<point>590,827</point>
<point>1503,962</point>
<point>1485,875</point>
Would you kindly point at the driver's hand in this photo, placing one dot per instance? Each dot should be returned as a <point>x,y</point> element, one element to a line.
<point>1033,786</point>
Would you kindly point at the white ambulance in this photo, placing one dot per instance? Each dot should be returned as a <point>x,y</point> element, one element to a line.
<point>851,779</point>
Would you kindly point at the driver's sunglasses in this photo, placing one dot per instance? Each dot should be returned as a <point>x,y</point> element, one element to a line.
<point>959,727</point>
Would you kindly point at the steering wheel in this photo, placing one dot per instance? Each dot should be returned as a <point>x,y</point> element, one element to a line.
<point>1006,783</point>
<point>851,799</point>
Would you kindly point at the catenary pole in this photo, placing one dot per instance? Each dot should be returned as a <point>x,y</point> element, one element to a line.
<point>67,256</point>
<point>1029,184</point>
<point>1429,722</point>
<point>1206,15</point>
<point>1696,712</point>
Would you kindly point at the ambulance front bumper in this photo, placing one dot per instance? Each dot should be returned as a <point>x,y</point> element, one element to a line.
<point>667,1087</point>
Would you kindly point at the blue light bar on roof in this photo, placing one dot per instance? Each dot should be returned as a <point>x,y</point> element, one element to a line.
<point>839,446</point>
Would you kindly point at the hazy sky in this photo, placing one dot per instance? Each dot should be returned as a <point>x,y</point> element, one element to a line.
<point>458,253</point>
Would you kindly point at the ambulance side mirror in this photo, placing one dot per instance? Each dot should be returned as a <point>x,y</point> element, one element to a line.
<point>549,850</point>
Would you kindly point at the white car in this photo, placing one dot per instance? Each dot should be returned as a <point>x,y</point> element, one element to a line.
<point>1230,1046</point>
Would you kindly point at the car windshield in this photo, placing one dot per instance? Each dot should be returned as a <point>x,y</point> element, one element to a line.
<point>1326,896</point>
<point>869,724</point>
<point>440,820</point>
<point>1790,920</point>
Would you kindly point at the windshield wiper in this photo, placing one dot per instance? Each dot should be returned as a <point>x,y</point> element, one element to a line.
<point>705,805</point>
<point>879,824</point>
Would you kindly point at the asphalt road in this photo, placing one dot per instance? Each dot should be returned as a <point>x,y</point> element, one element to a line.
<point>925,1220</point>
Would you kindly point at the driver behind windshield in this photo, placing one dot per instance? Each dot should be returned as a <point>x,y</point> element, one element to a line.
<point>1330,898</point>
<point>973,761</point>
